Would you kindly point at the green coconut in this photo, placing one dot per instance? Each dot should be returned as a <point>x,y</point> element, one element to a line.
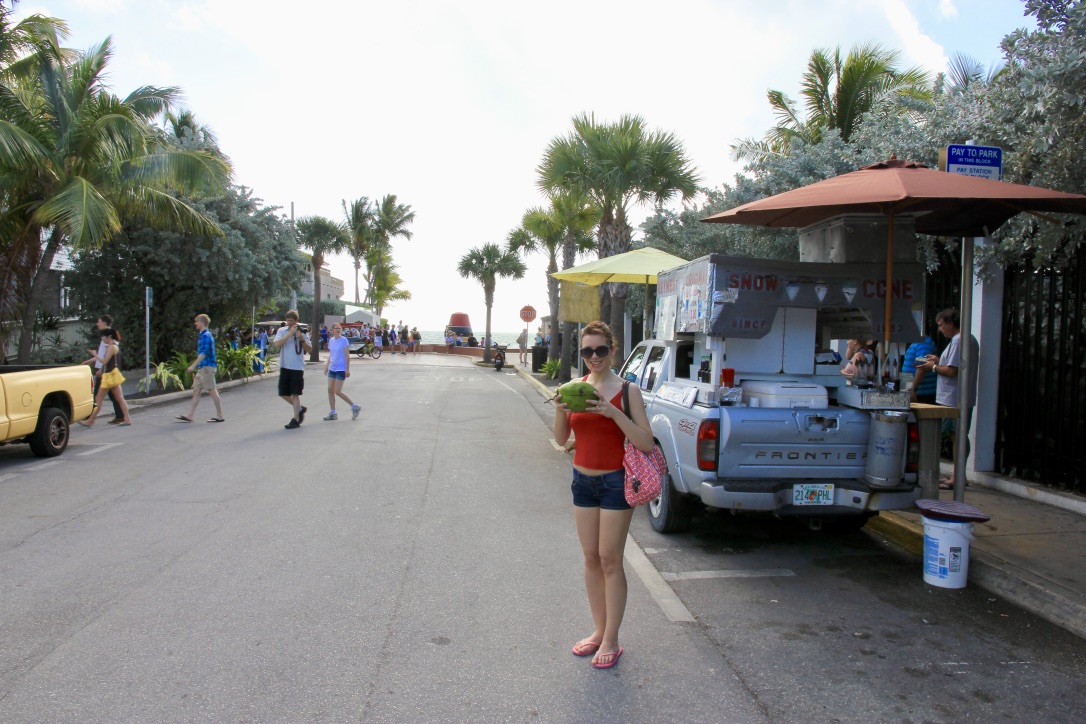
<point>576,394</point>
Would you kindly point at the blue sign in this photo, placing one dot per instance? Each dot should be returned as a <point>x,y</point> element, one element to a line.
<point>978,161</point>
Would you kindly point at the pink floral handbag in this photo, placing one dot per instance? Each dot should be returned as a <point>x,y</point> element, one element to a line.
<point>644,471</point>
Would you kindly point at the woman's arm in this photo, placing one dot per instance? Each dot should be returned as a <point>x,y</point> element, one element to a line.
<point>637,430</point>
<point>561,423</point>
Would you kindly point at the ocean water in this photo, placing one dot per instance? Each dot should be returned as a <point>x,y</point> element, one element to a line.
<point>502,338</point>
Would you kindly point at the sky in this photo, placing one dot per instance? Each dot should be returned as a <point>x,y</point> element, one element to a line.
<point>450,105</point>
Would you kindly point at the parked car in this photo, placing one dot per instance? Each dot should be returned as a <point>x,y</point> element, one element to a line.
<point>38,403</point>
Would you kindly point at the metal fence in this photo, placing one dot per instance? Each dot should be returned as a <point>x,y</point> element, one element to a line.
<point>1041,433</point>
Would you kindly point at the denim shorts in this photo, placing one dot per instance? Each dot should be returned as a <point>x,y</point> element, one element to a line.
<point>333,375</point>
<point>607,491</point>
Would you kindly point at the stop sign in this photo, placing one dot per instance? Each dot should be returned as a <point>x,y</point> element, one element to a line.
<point>527,313</point>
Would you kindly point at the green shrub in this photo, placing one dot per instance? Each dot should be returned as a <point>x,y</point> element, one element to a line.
<point>550,368</point>
<point>163,377</point>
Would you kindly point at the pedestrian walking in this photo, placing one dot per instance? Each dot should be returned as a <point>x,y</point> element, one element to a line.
<point>522,343</point>
<point>600,512</point>
<point>111,378</point>
<point>104,321</point>
<point>205,368</point>
<point>338,368</point>
<point>416,341</point>
<point>293,344</point>
<point>392,340</point>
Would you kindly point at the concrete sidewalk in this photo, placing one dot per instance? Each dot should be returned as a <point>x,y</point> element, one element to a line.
<point>1029,553</point>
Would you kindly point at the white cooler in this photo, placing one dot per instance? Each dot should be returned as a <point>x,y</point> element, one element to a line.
<point>759,393</point>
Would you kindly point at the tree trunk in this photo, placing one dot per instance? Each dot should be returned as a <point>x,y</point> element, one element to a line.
<point>552,295</point>
<point>569,329</point>
<point>357,266</point>
<point>34,299</point>
<point>489,298</point>
<point>315,326</point>
<point>618,235</point>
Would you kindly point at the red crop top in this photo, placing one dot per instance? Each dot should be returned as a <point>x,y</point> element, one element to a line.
<point>599,439</point>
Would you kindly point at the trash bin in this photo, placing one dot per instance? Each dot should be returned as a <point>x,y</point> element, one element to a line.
<point>948,530</point>
<point>539,357</point>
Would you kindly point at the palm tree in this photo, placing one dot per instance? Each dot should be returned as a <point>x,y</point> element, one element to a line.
<point>321,236</point>
<point>836,92</point>
<point>386,288</point>
<point>78,160</point>
<point>617,165</point>
<point>360,225</point>
<point>564,226</point>
<point>391,219</point>
<point>486,263</point>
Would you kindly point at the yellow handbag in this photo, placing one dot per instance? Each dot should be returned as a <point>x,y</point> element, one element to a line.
<point>112,379</point>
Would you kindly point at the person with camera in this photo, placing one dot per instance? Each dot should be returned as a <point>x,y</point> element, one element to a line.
<point>293,344</point>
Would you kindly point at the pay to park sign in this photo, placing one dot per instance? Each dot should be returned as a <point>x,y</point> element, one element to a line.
<point>978,161</point>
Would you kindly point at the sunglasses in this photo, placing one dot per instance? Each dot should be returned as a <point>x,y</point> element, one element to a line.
<point>601,351</point>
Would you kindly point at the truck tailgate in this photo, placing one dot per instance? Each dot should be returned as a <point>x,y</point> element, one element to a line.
<point>758,442</point>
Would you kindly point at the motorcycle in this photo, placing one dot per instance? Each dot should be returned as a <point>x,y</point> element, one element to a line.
<point>499,357</point>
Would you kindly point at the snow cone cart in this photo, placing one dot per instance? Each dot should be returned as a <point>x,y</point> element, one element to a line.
<point>747,400</point>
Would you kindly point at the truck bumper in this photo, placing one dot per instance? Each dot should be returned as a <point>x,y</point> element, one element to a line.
<point>849,497</point>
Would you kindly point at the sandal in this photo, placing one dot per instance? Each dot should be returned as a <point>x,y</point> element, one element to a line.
<point>613,656</point>
<point>946,485</point>
<point>585,647</point>
<point>182,418</point>
<point>217,419</point>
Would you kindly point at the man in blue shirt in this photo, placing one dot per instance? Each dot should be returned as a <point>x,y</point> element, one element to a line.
<point>205,368</point>
<point>923,388</point>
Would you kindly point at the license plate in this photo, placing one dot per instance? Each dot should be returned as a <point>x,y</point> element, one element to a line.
<point>812,494</point>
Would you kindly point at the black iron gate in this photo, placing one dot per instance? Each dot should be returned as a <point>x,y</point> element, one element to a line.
<point>1041,434</point>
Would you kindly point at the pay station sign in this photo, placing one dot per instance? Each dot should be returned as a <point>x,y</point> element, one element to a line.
<point>978,161</point>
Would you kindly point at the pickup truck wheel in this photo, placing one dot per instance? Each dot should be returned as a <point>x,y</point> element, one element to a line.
<point>670,513</point>
<point>50,438</point>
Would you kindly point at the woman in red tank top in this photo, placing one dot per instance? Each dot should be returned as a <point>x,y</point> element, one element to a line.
<point>600,511</point>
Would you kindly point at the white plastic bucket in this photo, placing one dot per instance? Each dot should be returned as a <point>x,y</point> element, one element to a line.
<point>946,552</point>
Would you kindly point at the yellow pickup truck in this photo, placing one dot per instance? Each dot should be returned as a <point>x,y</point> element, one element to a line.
<point>39,402</point>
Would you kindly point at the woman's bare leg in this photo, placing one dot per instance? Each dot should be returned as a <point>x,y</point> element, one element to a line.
<point>588,532</point>
<point>337,390</point>
<point>613,528</point>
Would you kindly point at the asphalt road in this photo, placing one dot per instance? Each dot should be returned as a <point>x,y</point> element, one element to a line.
<point>420,564</point>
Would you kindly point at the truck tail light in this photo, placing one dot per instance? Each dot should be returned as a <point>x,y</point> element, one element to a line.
<point>912,451</point>
<point>708,444</point>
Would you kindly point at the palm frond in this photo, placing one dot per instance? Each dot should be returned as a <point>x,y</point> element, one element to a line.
<point>86,218</point>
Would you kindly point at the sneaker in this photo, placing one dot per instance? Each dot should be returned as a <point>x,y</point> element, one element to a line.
<point>331,416</point>
<point>301,416</point>
<point>293,424</point>
<point>355,409</point>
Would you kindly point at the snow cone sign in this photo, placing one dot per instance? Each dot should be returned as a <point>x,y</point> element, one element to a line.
<point>527,313</point>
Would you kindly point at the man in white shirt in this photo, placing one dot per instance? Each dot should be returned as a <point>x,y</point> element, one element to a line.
<point>946,367</point>
<point>293,344</point>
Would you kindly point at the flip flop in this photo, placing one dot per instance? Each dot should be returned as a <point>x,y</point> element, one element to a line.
<point>182,418</point>
<point>946,485</point>
<point>85,424</point>
<point>585,648</point>
<point>614,660</point>
<point>217,419</point>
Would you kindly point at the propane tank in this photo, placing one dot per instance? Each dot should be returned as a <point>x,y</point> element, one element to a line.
<point>886,443</point>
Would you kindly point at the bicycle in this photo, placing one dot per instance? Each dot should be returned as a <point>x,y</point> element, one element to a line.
<point>369,348</point>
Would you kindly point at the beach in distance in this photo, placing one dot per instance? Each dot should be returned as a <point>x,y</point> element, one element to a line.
<point>502,338</point>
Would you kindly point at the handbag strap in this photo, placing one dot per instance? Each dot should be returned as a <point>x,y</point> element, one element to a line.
<point>626,398</point>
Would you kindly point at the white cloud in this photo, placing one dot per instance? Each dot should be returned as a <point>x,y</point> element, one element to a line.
<point>915,44</point>
<point>947,9</point>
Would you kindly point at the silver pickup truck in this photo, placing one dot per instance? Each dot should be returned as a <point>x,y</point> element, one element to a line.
<point>747,400</point>
<point>801,457</point>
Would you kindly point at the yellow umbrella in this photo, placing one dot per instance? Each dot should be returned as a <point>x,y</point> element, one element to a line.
<point>640,266</point>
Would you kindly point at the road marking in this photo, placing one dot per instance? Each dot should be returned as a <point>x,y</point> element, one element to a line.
<point>99,447</point>
<point>699,575</point>
<point>9,476</point>
<point>661,592</point>
<point>556,446</point>
<point>507,387</point>
<point>44,466</point>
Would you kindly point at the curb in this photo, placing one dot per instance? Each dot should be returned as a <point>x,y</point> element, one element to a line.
<point>140,403</point>
<point>541,388</point>
<point>1047,599</point>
